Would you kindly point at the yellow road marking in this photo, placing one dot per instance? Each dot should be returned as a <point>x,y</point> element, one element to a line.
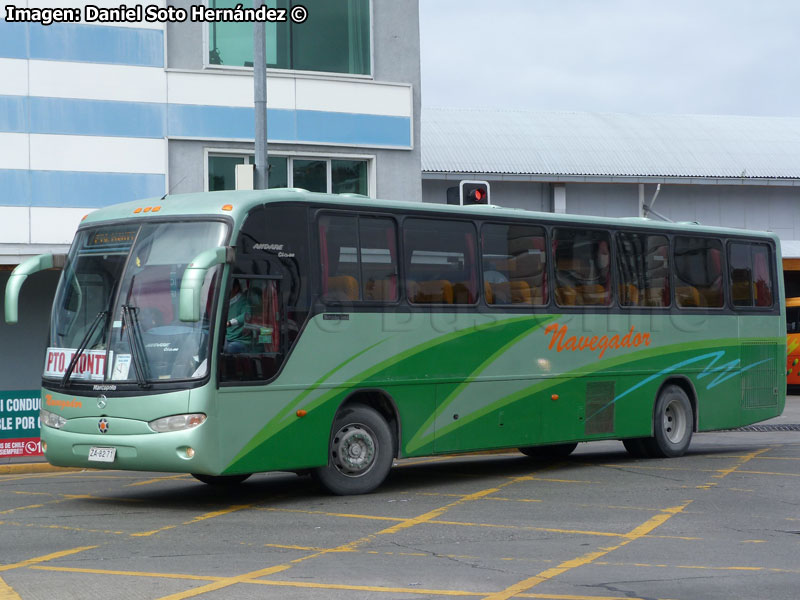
<point>722,473</point>
<point>696,567</point>
<point>420,591</point>
<point>225,582</point>
<point>7,592</point>
<point>211,515</point>
<point>634,534</point>
<point>129,573</point>
<point>10,510</point>
<point>770,473</point>
<point>310,585</point>
<point>160,480</point>
<point>45,558</point>
<point>63,527</point>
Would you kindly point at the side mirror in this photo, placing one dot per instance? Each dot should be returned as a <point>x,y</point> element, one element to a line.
<point>20,274</point>
<point>193,278</point>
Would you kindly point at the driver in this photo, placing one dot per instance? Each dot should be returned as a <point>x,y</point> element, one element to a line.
<point>236,340</point>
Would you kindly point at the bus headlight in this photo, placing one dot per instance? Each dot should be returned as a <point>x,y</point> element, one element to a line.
<point>51,419</point>
<point>177,422</point>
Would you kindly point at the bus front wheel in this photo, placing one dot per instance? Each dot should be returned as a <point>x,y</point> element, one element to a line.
<point>673,421</point>
<point>360,452</point>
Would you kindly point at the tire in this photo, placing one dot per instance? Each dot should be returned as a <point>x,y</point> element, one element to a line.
<point>360,452</point>
<point>221,480</point>
<point>673,421</point>
<point>636,447</point>
<point>549,451</point>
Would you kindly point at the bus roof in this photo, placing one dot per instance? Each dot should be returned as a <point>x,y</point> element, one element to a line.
<point>236,204</point>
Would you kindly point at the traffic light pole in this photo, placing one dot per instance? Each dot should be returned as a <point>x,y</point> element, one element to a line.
<point>261,175</point>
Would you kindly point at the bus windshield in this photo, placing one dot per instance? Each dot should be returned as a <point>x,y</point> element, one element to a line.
<point>115,315</point>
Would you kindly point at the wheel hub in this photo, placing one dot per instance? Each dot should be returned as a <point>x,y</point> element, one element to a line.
<point>353,450</point>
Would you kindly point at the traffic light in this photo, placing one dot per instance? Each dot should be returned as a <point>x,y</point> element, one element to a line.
<point>469,192</point>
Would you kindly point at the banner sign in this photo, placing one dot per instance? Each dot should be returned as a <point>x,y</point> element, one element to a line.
<point>91,363</point>
<point>19,423</point>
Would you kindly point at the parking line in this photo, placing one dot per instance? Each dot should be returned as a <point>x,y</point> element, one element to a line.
<point>45,558</point>
<point>633,535</point>
<point>7,592</point>
<point>210,515</point>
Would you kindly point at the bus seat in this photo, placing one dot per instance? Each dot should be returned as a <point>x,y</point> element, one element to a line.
<point>592,294</point>
<point>380,290</point>
<point>687,296</point>
<point>439,291</point>
<point>487,293</point>
<point>711,295</point>
<point>521,292</point>
<point>342,288</point>
<point>566,295</point>
<point>740,290</point>
<point>462,293</point>
<point>629,294</point>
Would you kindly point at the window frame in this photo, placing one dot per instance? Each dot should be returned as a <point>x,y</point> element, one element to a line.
<point>616,233</point>
<point>274,71</point>
<point>476,227</point>
<point>357,214</point>
<point>771,266</point>
<point>612,269</point>
<point>549,295</point>
<point>290,156</point>
<point>726,295</point>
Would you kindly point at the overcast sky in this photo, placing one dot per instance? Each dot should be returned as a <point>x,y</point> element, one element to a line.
<point>735,57</point>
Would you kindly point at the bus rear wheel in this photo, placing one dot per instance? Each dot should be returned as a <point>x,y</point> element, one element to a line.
<point>221,480</point>
<point>549,451</point>
<point>673,421</point>
<point>360,452</point>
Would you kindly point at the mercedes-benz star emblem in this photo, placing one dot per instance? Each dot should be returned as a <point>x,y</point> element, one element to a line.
<point>101,402</point>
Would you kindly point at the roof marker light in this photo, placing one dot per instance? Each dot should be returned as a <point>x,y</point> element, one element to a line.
<point>148,208</point>
<point>138,210</point>
<point>228,207</point>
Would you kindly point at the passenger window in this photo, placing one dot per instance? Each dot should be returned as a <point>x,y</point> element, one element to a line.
<point>359,258</point>
<point>440,259</point>
<point>583,269</point>
<point>643,269</point>
<point>698,272</point>
<point>750,273</point>
<point>514,262</point>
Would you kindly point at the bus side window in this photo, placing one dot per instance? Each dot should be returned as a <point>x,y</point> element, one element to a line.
<point>440,261</point>
<point>642,269</point>
<point>698,272</point>
<point>583,267</point>
<point>358,255</point>
<point>514,264</point>
<point>750,274</point>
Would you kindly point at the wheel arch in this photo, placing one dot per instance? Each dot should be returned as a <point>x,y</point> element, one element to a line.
<point>687,386</point>
<point>381,401</point>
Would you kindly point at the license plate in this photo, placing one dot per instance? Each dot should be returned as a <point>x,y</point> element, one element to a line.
<point>99,454</point>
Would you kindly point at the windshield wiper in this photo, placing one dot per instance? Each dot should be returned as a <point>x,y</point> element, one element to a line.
<point>101,316</point>
<point>131,322</point>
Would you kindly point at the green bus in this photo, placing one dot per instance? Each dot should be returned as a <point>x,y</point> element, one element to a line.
<point>228,333</point>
